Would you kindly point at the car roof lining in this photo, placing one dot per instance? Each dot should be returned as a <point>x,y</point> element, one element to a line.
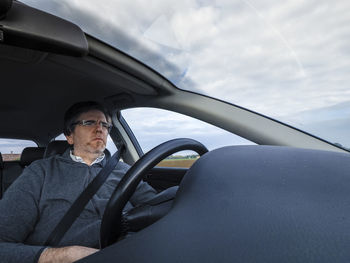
<point>33,81</point>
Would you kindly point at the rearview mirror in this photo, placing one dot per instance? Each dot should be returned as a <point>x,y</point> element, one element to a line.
<point>24,26</point>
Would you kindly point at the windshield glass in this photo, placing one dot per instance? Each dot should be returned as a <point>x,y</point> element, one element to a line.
<point>286,59</point>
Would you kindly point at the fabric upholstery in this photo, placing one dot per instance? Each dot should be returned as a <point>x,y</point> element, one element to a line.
<point>31,154</point>
<point>59,147</point>
<point>55,147</point>
<point>1,162</point>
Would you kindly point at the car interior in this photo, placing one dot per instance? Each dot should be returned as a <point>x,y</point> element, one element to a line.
<point>283,200</point>
<point>10,171</point>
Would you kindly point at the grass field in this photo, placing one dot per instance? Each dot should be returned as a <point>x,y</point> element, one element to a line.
<point>176,163</point>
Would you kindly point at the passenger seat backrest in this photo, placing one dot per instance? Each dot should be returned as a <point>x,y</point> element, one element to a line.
<point>31,154</point>
<point>13,169</point>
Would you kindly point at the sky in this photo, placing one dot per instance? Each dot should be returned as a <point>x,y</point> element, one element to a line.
<point>289,60</point>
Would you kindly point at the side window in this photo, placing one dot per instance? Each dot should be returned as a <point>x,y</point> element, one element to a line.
<point>11,149</point>
<point>110,144</point>
<point>152,127</point>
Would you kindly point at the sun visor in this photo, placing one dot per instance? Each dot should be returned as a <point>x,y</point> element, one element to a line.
<point>24,26</point>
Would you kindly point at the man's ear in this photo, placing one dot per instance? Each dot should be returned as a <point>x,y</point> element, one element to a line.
<point>70,139</point>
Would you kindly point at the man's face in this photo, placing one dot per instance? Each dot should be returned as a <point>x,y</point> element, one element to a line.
<point>89,139</point>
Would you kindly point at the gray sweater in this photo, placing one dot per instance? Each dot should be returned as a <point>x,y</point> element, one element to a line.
<point>34,204</point>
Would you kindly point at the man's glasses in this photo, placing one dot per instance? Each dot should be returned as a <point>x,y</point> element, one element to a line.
<point>90,123</point>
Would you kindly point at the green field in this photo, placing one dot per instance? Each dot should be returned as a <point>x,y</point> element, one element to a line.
<point>176,163</point>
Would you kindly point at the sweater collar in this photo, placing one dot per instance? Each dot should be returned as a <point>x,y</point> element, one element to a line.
<point>80,160</point>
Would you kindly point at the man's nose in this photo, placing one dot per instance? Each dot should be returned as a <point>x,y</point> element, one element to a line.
<point>98,126</point>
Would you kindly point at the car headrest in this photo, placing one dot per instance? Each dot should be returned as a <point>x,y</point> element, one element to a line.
<point>55,147</point>
<point>31,154</point>
<point>1,162</point>
<point>59,147</point>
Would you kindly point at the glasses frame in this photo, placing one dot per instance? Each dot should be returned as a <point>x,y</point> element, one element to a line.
<point>91,123</point>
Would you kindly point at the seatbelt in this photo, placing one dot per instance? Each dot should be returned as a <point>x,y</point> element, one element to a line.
<point>78,206</point>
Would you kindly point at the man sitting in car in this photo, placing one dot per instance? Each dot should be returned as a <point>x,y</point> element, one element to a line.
<point>38,199</point>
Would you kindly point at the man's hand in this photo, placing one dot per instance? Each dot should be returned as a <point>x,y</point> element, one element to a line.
<point>65,254</point>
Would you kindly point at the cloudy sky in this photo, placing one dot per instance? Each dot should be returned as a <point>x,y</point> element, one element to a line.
<point>286,59</point>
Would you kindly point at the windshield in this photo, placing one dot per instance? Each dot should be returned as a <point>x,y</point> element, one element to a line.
<point>286,59</point>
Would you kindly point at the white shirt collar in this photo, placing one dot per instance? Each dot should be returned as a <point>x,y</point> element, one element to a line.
<point>80,160</point>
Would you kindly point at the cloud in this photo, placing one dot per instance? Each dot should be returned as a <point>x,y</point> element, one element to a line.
<point>161,33</point>
<point>331,123</point>
<point>276,62</point>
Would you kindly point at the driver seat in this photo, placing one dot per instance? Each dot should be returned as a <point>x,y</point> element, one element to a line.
<point>60,146</point>
<point>56,147</point>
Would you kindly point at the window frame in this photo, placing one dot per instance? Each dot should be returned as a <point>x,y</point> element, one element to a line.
<point>135,143</point>
<point>35,144</point>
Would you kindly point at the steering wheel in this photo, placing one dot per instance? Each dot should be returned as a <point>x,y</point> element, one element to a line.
<point>111,225</point>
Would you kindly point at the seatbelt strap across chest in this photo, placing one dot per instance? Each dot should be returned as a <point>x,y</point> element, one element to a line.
<point>78,206</point>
